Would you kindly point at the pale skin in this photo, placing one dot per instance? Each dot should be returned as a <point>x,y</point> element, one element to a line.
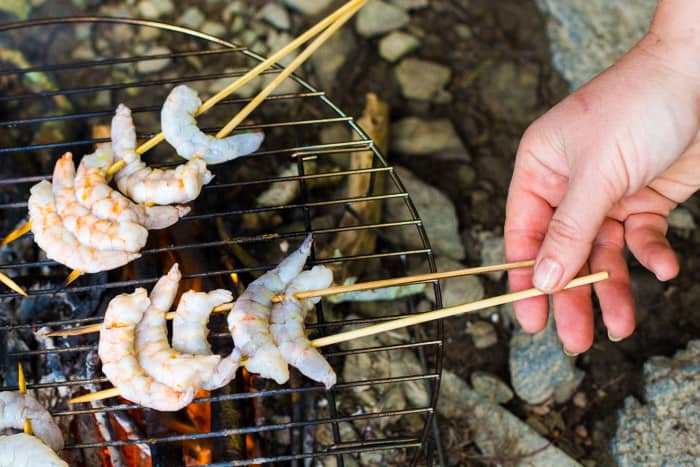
<point>603,169</point>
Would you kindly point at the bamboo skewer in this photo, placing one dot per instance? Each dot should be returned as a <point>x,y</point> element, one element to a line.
<point>22,385</point>
<point>380,284</point>
<point>5,279</point>
<point>18,232</point>
<point>411,320</point>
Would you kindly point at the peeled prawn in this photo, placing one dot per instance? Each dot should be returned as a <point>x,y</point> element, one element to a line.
<point>119,362</point>
<point>22,450</point>
<point>93,192</point>
<point>61,245</point>
<point>180,129</point>
<point>249,320</point>
<point>15,408</point>
<point>180,371</point>
<point>90,230</point>
<point>145,184</point>
<point>288,328</point>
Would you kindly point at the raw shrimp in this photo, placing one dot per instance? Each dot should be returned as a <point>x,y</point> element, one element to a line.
<point>15,408</point>
<point>288,328</point>
<point>180,371</point>
<point>145,184</point>
<point>61,245</point>
<point>90,230</point>
<point>249,320</point>
<point>190,332</point>
<point>22,450</point>
<point>119,363</point>
<point>180,129</point>
<point>93,192</point>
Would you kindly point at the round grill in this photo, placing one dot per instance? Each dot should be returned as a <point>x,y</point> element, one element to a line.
<point>50,104</point>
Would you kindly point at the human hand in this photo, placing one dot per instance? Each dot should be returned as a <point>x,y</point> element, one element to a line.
<point>603,168</point>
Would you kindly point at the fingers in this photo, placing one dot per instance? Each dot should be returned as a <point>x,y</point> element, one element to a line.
<point>646,237</point>
<point>573,314</point>
<point>614,294</point>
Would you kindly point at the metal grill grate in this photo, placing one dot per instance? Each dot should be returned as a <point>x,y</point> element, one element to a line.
<point>86,92</point>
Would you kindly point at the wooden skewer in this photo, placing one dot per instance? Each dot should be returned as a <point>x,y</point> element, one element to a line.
<point>5,279</point>
<point>384,283</point>
<point>18,232</point>
<point>74,274</point>
<point>22,385</point>
<point>404,322</point>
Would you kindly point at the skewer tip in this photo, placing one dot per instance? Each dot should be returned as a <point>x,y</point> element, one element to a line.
<point>21,380</point>
<point>28,426</point>
<point>18,232</point>
<point>5,279</point>
<point>95,396</point>
<point>74,274</point>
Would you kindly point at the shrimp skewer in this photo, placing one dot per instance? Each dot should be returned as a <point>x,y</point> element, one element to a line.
<point>249,320</point>
<point>23,450</point>
<point>15,408</point>
<point>288,328</point>
<point>181,131</point>
<point>180,371</point>
<point>90,230</point>
<point>145,184</point>
<point>93,192</point>
<point>61,245</point>
<point>119,362</point>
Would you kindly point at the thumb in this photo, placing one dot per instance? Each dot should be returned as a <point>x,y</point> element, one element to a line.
<point>572,229</point>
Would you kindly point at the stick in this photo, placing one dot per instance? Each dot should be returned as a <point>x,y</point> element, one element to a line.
<point>18,232</point>
<point>403,322</point>
<point>5,279</point>
<point>22,385</point>
<point>90,328</point>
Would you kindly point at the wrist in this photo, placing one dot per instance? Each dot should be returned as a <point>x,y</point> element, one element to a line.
<point>677,23</point>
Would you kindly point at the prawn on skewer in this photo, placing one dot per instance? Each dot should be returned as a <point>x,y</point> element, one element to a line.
<point>119,362</point>
<point>249,319</point>
<point>23,450</point>
<point>180,129</point>
<point>15,408</point>
<point>288,328</point>
<point>145,184</point>
<point>90,230</point>
<point>61,245</point>
<point>93,192</point>
<point>181,371</point>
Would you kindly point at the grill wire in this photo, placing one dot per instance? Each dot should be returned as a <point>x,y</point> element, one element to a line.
<point>295,138</point>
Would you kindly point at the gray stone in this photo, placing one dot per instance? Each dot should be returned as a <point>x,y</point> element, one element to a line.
<point>511,91</point>
<point>539,369</point>
<point>497,432</point>
<point>155,8</point>
<point>604,29</point>
<point>490,387</point>
<point>416,136</point>
<point>410,4</point>
<point>483,334</point>
<point>681,219</point>
<point>331,56</point>
<point>154,66</point>
<point>234,10</point>
<point>423,80</point>
<point>276,15</point>
<point>493,251</point>
<point>457,290</point>
<point>666,429</point>
<point>396,45</point>
<point>213,28</point>
<point>378,17</point>
<point>435,210</point>
<point>308,7</point>
<point>192,18</point>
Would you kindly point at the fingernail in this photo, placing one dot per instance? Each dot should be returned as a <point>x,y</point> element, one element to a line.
<point>614,339</point>
<point>569,354</point>
<point>547,274</point>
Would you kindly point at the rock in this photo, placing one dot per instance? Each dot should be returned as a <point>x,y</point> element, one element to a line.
<point>19,8</point>
<point>491,388</point>
<point>192,18</point>
<point>214,29</point>
<point>417,136</point>
<point>275,41</point>
<point>666,429</point>
<point>331,56</point>
<point>539,369</point>
<point>410,4</point>
<point>423,80</point>
<point>511,90</point>
<point>378,17</point>
<point>155,9</point>
<point>483,334</point>
<point>276,15</point>
<point>493,251</point>
<point>396,45</point>
<point>681,219</point>
<point>496,432</point>
<point>457,290</point>
<point>154,66</point>
<point>234,10</point>
<point>435,210</point>
<point>604,29</point>
<point>308,7</point>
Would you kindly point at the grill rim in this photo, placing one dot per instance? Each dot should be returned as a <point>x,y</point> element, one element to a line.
<point>427,249</point>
